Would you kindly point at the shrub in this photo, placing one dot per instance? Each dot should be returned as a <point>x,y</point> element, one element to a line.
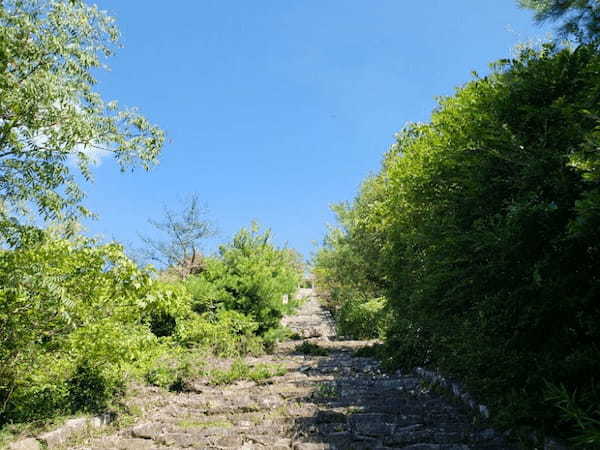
<point>240,370</point>
<point>163,306</point>
<point>225,333</point>
<point>90,389</point>
<point>171,371</point>
<point>208,289</point>
<point>250,276</point>
<point>275,335</point>
<point>362,319</point>
<point>73,316</point>
<point>78,318</point>
<point>482,231</point>
<point>582,414</point>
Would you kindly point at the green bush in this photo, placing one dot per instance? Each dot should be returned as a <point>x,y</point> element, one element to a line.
<point>165,306</point>
<point>224,333</point>
<point>275,335</point>
<point>251,276</point>
<point>207,290</point>
<point>240,370</point>
<point>482,231</point>
<point>582,414</point>
<point>89,389</point>
<point>258,275</point>
<point>362,319</point>
<point>171,370</point>
<point>78,318</point>
<point>73,314</point>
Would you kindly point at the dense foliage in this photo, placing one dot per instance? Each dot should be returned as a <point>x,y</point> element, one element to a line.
<point>73,314</point>
<point>49,112</point>
<point>249,275</point>
<point>482,229</point>
<point>79,319</point>
<point>349,269</point>
<point>578,18</point>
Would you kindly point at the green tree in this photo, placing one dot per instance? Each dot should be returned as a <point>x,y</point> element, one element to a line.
<point>50,114</point>
<point>580,18</point>
<point>348,267</point>
<point>249,275</point>
<point>257,275</point>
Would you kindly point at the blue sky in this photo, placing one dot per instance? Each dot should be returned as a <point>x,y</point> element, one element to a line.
<point>276,109</point>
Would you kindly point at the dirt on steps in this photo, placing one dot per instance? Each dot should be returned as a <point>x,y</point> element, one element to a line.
<point>336,401</point>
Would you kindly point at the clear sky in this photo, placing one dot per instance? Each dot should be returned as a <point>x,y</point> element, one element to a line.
<point>276,109</point>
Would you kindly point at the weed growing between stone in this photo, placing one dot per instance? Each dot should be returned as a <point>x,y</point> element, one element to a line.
<point>309,348</point>
<point>240,370</point>
<point>326,391</point>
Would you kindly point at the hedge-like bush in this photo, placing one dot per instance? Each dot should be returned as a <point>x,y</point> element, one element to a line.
<point>482,229</point>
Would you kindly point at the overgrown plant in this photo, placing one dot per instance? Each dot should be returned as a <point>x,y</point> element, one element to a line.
<point>72,315</point>
<point>583,414</point>
<point>481,230</point>
<point>250,275</point>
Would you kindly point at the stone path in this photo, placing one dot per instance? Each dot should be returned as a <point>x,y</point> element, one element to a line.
<point>311,320</point>
<point>324,402</point>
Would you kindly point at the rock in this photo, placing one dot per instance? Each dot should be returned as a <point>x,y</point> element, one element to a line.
<point>372,424</point>
<point>101,420</point>
<point>551,444</point>
<point>246,404</point>
<point>228,441</point>
<point>59,436</point>
<point>282,444</point>
<point>456,389</point>
<point>178,439</point>
<point>244,424</point>
<point>132,444</point>
<point>330,417</point>
<point>146,431</point>
<point>56,438</point>
<point>269,401</point>
<point>423,447</point>
<point>309,446</point>
<point>484,411</point>
<point>487,435</point>
<point>25,444</point>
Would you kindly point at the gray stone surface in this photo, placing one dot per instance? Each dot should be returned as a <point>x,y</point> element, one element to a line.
<point>26,444</point>
<point>323,402</point>
<point>311,320</point>
<point>58,437</point>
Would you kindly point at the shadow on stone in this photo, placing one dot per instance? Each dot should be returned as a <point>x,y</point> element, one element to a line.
<point>356,406</point>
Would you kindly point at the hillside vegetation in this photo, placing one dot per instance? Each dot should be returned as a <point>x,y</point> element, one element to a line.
<point>475,250</point>
<point>481,232</point>
<point>79,320</point>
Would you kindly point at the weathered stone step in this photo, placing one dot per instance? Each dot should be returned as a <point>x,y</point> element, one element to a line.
<point>324,402</point>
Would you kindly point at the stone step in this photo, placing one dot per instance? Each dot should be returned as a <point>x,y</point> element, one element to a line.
<point>324,402</point>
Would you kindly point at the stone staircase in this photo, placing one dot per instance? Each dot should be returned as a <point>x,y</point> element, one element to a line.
<point>311,320</point>
<point>336,401</point>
